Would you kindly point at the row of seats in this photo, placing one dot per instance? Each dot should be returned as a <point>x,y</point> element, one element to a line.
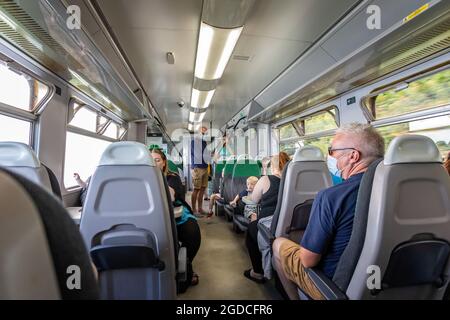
<point>401,228</point>
<point>127,230</point>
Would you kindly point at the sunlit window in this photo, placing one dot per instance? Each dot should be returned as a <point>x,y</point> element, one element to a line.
<point>84,118</point>
<point>112,131</point>
<point>12,129</point>
<point>438,129</point>
<point>319,122</point>
<point>15,89</point>
<point>426,93</point>
<point>82,156</point>
<point>20,91</point>
<point>322,143</point>
<point>287,132</point>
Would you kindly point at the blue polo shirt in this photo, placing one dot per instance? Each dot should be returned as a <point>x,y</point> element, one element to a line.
<point>331,222</point>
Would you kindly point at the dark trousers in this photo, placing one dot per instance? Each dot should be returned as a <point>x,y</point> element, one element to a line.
<point>190,237</point>
<point>251,241</point>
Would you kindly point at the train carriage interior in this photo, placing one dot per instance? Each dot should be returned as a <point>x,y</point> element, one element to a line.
<point>224,150</point>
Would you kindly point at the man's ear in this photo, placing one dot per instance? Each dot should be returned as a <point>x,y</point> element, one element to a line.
<point>356,156</point>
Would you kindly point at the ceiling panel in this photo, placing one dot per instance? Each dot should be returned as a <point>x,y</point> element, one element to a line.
<point>276,33</point>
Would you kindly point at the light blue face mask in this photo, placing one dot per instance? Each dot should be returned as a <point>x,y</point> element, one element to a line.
<point>332,166</point>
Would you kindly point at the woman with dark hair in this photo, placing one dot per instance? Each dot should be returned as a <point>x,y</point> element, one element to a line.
<point>265,194</point>
<point>187,227</point>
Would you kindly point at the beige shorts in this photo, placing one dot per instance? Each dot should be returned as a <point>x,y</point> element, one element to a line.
<point>294,270</point>
<point>200,178</point>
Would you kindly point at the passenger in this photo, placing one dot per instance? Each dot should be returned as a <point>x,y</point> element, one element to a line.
<point>265,194</point>
<point>251,182</point>
<point>264,165</point>
<point>354,147</point>
<point>447,163</point>
<point>84,187</point>
<point>215,197</point>
<point>199,167</point>
<point>187,227</point>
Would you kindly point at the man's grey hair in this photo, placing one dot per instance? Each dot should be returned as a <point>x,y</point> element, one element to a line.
<point>367,139</point>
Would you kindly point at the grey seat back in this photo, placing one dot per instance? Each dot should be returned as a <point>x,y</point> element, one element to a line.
<point>305,176</point>
<point>42,255</point>
<point>21,159</point>
<point>408,225</point>
<point>128,226</point>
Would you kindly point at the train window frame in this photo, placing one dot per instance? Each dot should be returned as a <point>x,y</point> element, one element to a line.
<point>368,102</point>
<point>30,122</point>
<point>299,126</point>
<point>36,104</point>
<point>98,133</point>
<point>32,113</point>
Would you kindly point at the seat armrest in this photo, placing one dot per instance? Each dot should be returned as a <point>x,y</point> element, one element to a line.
<point>328,288</point>
<point>182,264</point>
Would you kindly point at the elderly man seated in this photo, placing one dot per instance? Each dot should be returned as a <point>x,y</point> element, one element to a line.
<point>354,148</point>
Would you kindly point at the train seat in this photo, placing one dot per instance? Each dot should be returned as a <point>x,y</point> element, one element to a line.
<point>304,176</point>
<point>41,250</point>
<point>129,228</point>
<point>21,159</point>
<point>399,248</point>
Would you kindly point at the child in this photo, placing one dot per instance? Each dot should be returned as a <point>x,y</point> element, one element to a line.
<point>251,182</point>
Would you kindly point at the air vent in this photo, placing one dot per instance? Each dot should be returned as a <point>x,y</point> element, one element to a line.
<point>424,43</point>
<point>32,45</point>
<point>241,57</point>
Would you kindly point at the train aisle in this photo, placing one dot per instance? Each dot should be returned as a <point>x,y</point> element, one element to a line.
<point>220,264</point>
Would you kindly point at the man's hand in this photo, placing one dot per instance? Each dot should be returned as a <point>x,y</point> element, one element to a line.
<point>233,204</point>
<point>253,217</point>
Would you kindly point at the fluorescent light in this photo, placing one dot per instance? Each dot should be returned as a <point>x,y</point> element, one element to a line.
<point>7,20</point>
<point>196,117</point>
<point>205,40</point>
<point>233,38</point>
<point>201,99</point>
<point>215,46</point>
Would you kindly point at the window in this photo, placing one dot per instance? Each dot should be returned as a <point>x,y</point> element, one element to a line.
<point>112,131</point>
<point>313,130</point>
<point>437,128</point>
<point>322,143</point>
<point>21,91</point>
<point>319,122</point>
<point>89,132</point>
<point>287,132</point>
<point>13,129</point>
<point>82,156</point>
<point>407,97</point>
<point>289,148</point>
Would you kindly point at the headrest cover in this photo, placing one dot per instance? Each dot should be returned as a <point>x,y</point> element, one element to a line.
<point>308,153</point>
<point>15,154</point>
<point>126,153</point>
<point>412,149</point>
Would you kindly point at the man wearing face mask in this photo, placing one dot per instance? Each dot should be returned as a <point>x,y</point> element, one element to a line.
<point>354,148</point>
<point>334,171</point>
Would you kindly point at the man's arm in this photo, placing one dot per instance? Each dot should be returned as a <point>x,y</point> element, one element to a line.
<point>308,258</point>
<point>318,233</point>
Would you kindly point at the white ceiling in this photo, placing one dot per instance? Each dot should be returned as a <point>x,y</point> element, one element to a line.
<point>276,33</point>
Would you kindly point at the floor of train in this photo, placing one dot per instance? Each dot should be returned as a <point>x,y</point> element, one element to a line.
<point>220,264</point>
